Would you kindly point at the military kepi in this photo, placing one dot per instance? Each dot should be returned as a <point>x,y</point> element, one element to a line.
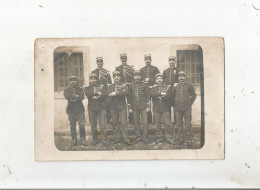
<point>182,73</point>
<point>137,73</point>
<point>116,73</point>
<point>158,75</point>
<point>72,78</point>
<point>172,58</point>
<point>123,55</point>
<point>92,75</point>
<point>99,59</point>
<point>147,56</point>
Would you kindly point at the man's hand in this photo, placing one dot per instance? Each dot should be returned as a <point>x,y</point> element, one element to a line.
<point>163,93</point>
<point>99,93</point>
<point>75,96</point>
<point>175,84</point>
<point>112,94</point>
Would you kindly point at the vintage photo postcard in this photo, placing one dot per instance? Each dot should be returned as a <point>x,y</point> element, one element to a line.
<point>129,98</point>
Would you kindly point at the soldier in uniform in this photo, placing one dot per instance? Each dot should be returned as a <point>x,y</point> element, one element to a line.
<point>96,109</point>
<point>75,110</point>
<point>139,102</point>
<point>148,76</point>
<point>104,78</point>
<point>170,76</point>
<point>126,76</point>
<point>184,95</point>
<point>161,95</point>
<point>126,71</point>
<point>117,93</point>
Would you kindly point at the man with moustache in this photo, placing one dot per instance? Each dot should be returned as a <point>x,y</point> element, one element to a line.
<point>161,94</point>
<point>184,95</point>
<point>75,110</point>
<point>170,76</point>
<point>117,93</point>
<point>148,76</point>
<point>139,102</point>
<point>104,78</point>
<point>96,96</point>
<point>126,76</point>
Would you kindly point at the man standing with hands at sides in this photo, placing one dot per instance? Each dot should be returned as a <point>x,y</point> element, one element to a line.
<point>75,110</point>
<point>139,102</point>
<point>161,95</point>
<point>148,76</point>
<point>117,93</point>
<point>96,96</point>
<point>104,78</point>
<point>184,95</point>
<point>170,76</point>
<point>126,75</point>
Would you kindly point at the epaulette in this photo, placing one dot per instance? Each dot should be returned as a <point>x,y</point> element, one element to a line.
<point>153,86</point>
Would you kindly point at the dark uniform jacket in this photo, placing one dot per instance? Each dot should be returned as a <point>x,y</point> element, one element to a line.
<point>126,73</point>
<point>170,76</point>
<point>75,105</point>
<point>138,96</point>
<point>118,101</point>
<point>160,103</point>
<point>103,75</point>
<point>184,95</point>
<point>149,72</point>
<point>95,101</point>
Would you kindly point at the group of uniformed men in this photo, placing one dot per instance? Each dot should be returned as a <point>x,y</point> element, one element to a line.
<point>132,92</point>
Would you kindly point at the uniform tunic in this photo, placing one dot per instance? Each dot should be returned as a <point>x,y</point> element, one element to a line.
<point>126,73</point>
<point>118,101</point>
<point>103,75</point>
<point>184,95</point>
<point>95,101</point>
<point>170,76</point>
<point>160,103</point>
<point>74,107</point>
<point>96,109</point>
<point>138,96</point>
<point>149,72</point>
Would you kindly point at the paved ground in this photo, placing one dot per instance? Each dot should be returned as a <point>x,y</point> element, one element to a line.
<point>63,141</point>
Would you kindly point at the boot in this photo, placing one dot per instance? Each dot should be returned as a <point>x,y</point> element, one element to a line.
<point>83,142</point>
<point>74,141</point>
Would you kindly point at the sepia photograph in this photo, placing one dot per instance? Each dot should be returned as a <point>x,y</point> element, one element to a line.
<point>128,94</point>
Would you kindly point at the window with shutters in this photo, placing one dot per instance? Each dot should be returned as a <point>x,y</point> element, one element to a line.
<point>66,65</point>
<point>190,61</point>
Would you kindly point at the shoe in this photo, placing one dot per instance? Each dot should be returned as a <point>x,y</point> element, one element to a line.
<point>74,142</point>
<point>146,141</point>
<point>138,139</point>
<point>169,140</point>
<point>127,141</point>
<point>83,142</point>
<point>159,139</point>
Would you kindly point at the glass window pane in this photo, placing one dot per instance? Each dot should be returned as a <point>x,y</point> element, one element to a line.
<point>81,72</point>
<point>193,80</point>
<point>197,68</point>
<point>76,71</point>
<point>193,68</point>
<point>61,83</point>
<point>61,72</point>
<point>65,72</point>
<point>66,83</point>
<point>192,57</point>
